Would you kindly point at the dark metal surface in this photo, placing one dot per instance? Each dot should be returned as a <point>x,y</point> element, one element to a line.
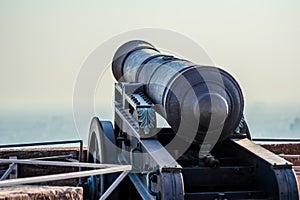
<point>287,183</point>
<point>230,195</point>
<point>228,176</point>
<point>172,186</point>
<point>273,174</point>
<point>188,95</point>
<point>152,177</point>
<point>244,170</point>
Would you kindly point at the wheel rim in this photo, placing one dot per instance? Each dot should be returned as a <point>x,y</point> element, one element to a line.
<point>95,153</point>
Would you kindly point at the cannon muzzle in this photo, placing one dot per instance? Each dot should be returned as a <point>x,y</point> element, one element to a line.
<point>197,101</point>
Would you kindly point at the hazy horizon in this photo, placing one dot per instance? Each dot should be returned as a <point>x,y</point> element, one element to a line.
<point>45,43</point>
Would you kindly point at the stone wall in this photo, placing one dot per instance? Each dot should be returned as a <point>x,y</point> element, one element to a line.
<point>289,149</point>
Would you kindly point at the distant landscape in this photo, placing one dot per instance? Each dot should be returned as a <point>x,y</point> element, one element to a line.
<point>265,121</point>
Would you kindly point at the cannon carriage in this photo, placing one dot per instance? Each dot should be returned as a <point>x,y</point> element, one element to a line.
<point>206,152</point>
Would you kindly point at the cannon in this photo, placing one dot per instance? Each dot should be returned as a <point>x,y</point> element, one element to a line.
<point>205,152</point>
<point>211,93</point>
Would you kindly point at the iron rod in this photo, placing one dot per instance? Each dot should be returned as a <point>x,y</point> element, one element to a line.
<point>8,171</point>
<point>80,158</point>
<point>55,157</point>
<point>55,177</point>
<point>40,143</point>
<point>72,160</point>
<point>289,156</point>
<point>56,163</point>
<point>276,139</point>
<point>113,186</point>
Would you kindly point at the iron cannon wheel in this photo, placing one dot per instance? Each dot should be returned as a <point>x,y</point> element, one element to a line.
<point>102,149</point>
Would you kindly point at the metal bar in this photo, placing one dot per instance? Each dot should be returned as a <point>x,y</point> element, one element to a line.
<point>72,160</point>
<point>159,154</point>
<point>80,150</point>
<point>41,143</point>
<point>140,186</point>
<point>8,171</point>
<point>55,177</point>
<point>56,163</point>
<point>55,157</point>
<point>14,173</point>
<point>113,186</point>
<point>276,139</point>
<point>296,168</point>
<point>80,158</point>
<point>289,156</point>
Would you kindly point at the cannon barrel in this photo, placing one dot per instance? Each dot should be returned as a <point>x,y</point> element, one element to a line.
<point>192,98</point>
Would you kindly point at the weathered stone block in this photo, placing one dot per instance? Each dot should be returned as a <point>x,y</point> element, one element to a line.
<point>41,193</point>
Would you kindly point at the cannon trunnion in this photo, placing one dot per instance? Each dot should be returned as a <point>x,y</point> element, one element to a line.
<point>206,153</point>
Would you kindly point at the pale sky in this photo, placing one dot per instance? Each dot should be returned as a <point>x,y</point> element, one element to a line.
<point>44,43</point>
